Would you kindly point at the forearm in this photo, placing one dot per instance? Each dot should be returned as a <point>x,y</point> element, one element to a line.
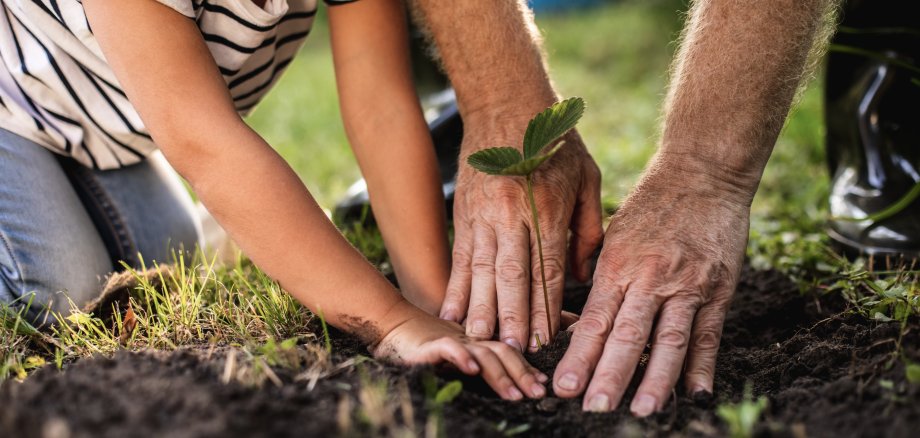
<point>171,78</point>
<point>733,81</point>
<point>492,53</point>
<point>398,162</point>
<point>388,133</point>
<point>267,210</point>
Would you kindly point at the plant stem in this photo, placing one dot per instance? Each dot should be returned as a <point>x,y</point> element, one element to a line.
<point>536,225</point>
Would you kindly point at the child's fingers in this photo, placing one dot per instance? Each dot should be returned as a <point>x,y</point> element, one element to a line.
<point>524,376</point>
<point>540,375</point>
<point>451,350</point>
<point>494,373</point>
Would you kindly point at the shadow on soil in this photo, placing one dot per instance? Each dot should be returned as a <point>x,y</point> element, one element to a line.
<point>826,373</point>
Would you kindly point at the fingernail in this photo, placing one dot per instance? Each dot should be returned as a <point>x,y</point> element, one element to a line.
<point>568,382</point>
<point>480,328</point>
<point>515,394</point>
<point>644,405</point>
<point>473,366</point>
<point>537,390</point>
<point>535,344</point>
<point>700,394</point>
<point>514,344</point>
<point>699,388</point>
<point>448,315</point>
<point>542,378</point>
<point>599,403</point>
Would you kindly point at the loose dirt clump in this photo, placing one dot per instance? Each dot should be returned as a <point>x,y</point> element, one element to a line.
<point>825,371</point>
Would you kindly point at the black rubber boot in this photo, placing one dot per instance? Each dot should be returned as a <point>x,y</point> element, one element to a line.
<point>872,112</point>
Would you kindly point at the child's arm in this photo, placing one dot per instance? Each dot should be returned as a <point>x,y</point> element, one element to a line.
<point>390,138</point>
<point>162,62</point>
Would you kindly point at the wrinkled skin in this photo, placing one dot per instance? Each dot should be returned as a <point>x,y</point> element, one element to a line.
<point>670,263</point>
<point>495,283</point>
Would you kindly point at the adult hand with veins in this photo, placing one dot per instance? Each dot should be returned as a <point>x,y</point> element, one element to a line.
<point>673,252</point>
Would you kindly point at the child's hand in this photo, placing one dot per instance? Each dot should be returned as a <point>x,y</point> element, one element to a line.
<point>427,339</point>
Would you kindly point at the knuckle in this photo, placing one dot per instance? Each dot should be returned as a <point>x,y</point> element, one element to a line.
<point>628,331</point>
<point>452,299</point>
<point>482,310</point>
<point>552,267</point>
<point>577,364</point>
<point>612,377</point>
<point>707,339</point>
<point>513,272</point>
<point>511,318</point>
<point>461,261</point>
<point>483,265</point>
<point>594,325</point>
<point>671,337</point>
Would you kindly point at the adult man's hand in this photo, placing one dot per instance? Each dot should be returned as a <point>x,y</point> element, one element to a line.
<point>674,251</point>
<point>496,267</point>
<point>491,52</point>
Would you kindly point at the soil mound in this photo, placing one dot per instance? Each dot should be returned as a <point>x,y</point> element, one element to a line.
<point>826,373</point>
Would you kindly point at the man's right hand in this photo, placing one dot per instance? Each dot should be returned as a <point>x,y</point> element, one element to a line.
<point>496,266</point>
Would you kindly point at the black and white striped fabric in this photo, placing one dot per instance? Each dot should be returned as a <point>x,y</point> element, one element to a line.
<point>57,90</point>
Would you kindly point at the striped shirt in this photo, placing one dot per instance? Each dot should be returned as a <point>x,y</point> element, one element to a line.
<point>57,90</point>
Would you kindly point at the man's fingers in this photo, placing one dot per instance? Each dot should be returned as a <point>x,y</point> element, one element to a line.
<point>524,376</point>
<point>669,347</point>
<point>704,345</point>
<point>553,271</point>
<point>587,224</point>
<point>512,264</point>
<point>457,297</point>
<point>480,320</point>
<point>625,344</point>
<point>588,340</point>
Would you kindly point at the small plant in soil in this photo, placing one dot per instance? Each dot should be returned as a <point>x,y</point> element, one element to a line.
<point>544,129</point>
<point>743,416</point>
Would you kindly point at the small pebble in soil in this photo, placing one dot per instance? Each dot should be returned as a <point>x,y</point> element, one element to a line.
<point>549,405</point>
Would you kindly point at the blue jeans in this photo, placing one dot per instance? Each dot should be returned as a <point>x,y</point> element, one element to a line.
<point>64,227</point>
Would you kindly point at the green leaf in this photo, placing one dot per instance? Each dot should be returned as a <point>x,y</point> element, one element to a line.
<point>912,372</point>
<point>448,393</point>
<point>527,166</point>
<point>494,160</point>
<point>551,124</point>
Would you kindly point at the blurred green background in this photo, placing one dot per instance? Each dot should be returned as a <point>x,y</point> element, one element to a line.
<point>616,56</point>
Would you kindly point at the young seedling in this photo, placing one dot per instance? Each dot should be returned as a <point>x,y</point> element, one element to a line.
<point>543,129</point>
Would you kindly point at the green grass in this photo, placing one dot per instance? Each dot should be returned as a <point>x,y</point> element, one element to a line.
<point>616,57</point>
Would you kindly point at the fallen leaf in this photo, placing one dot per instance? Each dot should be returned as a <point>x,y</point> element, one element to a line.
<point>128,324</point>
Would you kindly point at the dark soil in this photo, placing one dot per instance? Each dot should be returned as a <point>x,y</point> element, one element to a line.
<point>826,372</point>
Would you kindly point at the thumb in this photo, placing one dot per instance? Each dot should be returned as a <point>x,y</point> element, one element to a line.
<point>587,224</point>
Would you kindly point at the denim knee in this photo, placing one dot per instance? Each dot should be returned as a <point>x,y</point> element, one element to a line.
<point>44,292</point>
